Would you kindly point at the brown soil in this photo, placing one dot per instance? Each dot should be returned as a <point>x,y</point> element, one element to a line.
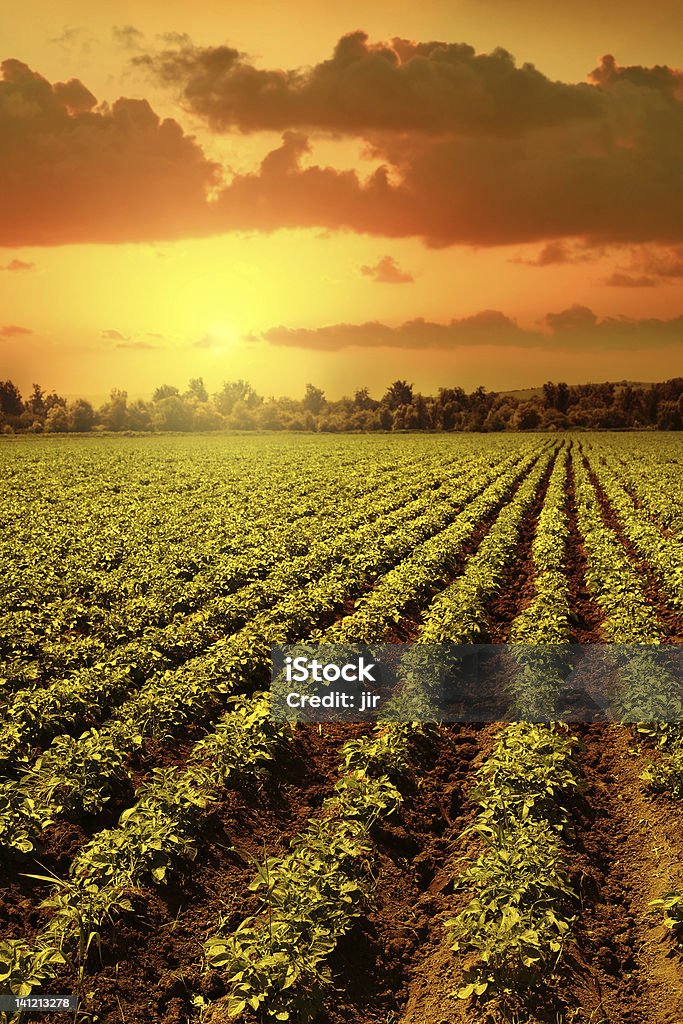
<point>152,982</point>
<point>375,961</point>
<point>626,969</point>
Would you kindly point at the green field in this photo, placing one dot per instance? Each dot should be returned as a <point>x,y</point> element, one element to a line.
<point>198,862</point>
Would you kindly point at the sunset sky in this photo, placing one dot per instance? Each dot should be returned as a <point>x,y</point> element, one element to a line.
<point>457,192</point>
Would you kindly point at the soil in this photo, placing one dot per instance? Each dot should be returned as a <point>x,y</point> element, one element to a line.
<point>396,966</point>
<point>626,970</point>
<point>145,982</point>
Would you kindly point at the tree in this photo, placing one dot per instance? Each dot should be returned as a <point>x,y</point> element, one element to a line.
<point>527,416</point>
<point>10,399</point>
<point>398,393</point>
<point>57,420</point>
<point>234,391</point>
<point>314,399</point>
<point>173,413</point>
<point>196,390</point>
<point>52,400</point>
<point>138,416</point>
<point>556,396</point>
<point>113,415</point>
<point>206,417</point>
<point>81,415</point>
<point>36,403</point>
<point>165,391</point>
<point>668,416</point>
<point>362,400</point>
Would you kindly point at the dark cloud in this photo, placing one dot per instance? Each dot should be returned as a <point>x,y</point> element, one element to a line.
<point>664,263</point>
<point>477,191</point>
<point>575,328</point>
<point>127,36</point>
<point>489,327</point>
<point>73,171</point>
<point>387,271</point>
<point>478,150</point>
<point>557,252</point>
<point>471,150</point>
<point>401,86</point>
<point>15,266</point>
<point>14,331</point>
<point>575,318</point>
<point>113,335</point>
<point>69,36</point>
<point>668,81</point>
<point>619,280</point>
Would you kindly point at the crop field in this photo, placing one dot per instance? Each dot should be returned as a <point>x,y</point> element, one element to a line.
<point>171,854</point>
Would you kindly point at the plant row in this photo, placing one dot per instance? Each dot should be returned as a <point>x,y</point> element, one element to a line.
<point>154,836</point>
<point>275,962</point>
<point>419,576</point>
<point>664,555</point>
<point>92,693</point>
<point>518,919</point>
<point>80,775</point>
<point>32,634</point>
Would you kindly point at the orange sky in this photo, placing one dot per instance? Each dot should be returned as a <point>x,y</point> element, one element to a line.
<point>256,196</point>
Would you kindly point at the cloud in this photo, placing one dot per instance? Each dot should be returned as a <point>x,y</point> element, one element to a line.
<point>470,148</point>
<point>15,266</point>
<point>127,36</point>
<point>577,328</point>
<point>156,334</point>
<point>619,280</point>
<point>73,171</point>
<point>387,271</point>
<point>14,331</point>
<point>667,263</point>
<point>68,38</point>
<point>112,335</point>
<point>475,150</point>
<point>431,87</point>
<point>139,346</point>
<point>489,327</point>
<point>557,252</point>
<point>208,342</point>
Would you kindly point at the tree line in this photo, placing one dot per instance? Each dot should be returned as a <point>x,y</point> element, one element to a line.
<point>237,406</point>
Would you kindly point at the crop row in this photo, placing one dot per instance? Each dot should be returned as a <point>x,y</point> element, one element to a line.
<point>617,587</point>
<point>91,631</point>
<point>517,922</point>
<point>518,919</point>
<point>458,615</point>
<point>275,961</point>
<point>664,555</point>
<point>152,838</point>
<point>651,479</point>
<point>74,775</point>
<point>93,692</point>
<point>425,572</point>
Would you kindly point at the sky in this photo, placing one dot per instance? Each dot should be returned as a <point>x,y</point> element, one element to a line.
<point>455,192</point>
